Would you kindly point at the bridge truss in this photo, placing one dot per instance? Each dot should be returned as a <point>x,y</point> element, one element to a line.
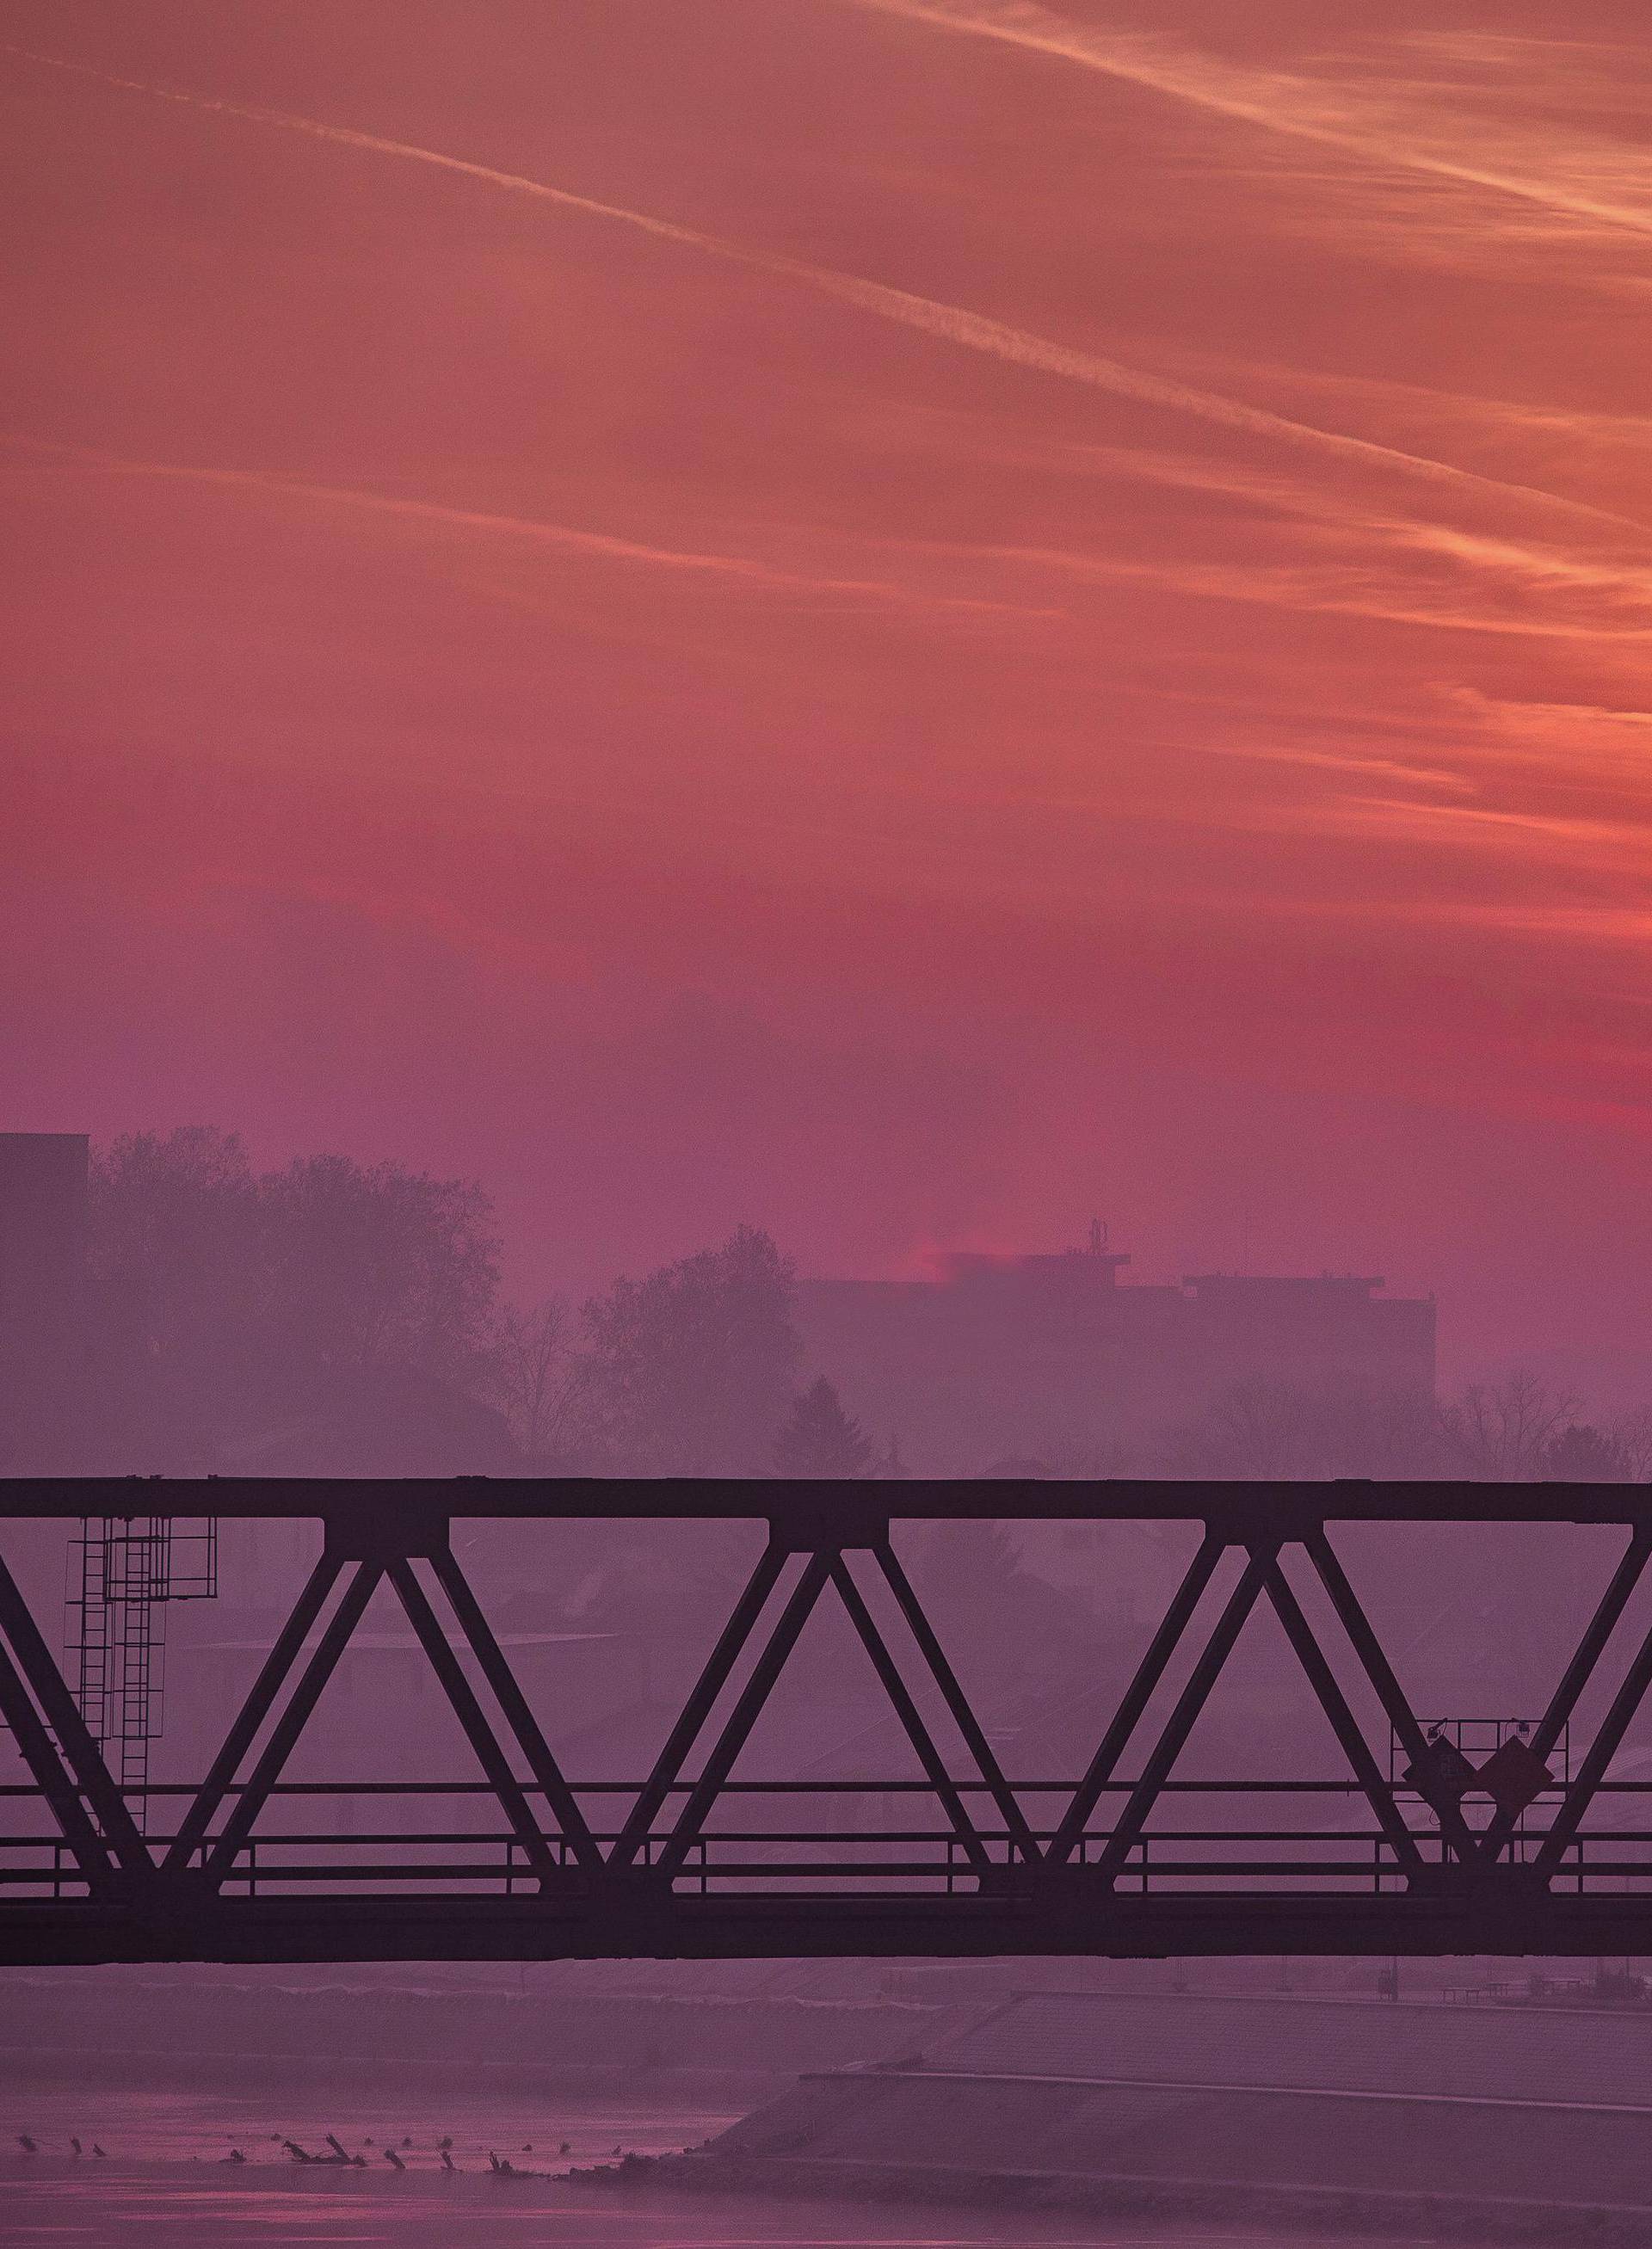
<point>1410,1848</point>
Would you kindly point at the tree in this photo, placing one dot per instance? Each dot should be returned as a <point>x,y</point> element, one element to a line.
<point>534,1374</point>
<point>1270,1431</point>
<point>1582,1454</point>
<point>891,1465</point>
<point>1502,1433</point>
<point>173,1269</point>
<point>1633,1439</point>
<point>220,1301</point>
<point>689,1371</point>
<point>819,1438</point>
<point>376,1266</point>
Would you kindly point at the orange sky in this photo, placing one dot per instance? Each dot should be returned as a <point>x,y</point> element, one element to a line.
<point>905,618</point>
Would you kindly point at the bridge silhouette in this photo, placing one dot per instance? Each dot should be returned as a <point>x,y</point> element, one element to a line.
<point>1411,1849</point>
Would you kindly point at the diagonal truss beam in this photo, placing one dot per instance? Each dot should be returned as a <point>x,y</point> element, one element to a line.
<point>291,1721</point>
<point>719,1665</point>
<point>249,1720</point>
<point>1379,1792</point>
<point>957,1702</point>
<point>1379,1672</point>
<point>469,1712</point>
<point>90,1779</point>
<point>1192,1700</point>
<point>1590,1648</point>
<point>1136,1698</point>
<point>1601,1751</point>
<point>51,1779</point>
<point>744,1715</point>
<point>910,1718</point>
<point>519,1716</point>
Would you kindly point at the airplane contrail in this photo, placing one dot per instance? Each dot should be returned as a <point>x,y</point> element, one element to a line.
<point>950,323</point>
<point>1275,101</point>
<point>533,530</point>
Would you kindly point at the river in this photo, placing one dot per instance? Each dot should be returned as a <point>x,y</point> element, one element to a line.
<point>167,2181</point>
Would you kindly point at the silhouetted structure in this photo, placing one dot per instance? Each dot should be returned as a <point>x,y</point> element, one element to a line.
<point>1129,1857</point>
<point>1035,1356</point>
<point>42,1234</point>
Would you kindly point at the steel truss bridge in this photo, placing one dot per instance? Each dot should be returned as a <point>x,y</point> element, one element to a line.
<point>1410,1849</point>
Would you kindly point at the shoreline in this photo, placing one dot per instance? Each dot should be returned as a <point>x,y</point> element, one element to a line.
<point>1356,2214</point>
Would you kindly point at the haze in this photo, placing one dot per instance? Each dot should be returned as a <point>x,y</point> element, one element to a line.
<point>985,615</point>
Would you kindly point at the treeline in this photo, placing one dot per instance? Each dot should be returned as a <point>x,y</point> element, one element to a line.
<point>1521,1430</point>
<point>225,1305</point>
<point>327,1316</point>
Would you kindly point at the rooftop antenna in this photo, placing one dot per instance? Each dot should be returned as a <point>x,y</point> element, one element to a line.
<point>1097,1236</point>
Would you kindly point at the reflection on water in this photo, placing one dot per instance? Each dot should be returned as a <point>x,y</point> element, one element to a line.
<point>151,2126</point>
<point>167,2182</point>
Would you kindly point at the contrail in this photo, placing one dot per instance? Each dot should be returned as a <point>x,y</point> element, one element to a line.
<point>950,323</point>
<point>535,531</point>
<point>1275,101</point>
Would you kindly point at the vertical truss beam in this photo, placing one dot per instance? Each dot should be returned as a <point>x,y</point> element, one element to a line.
<point>1136,1698</point>
<point>75,1746</point>
<point>718,1668</point>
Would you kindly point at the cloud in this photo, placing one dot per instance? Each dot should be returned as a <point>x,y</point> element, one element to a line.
<point>561,538</point>
<point>1350,558</point>
<point>1606,184</point>
<point>948,323</point>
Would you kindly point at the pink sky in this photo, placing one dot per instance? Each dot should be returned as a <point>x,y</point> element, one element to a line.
<point>989,612</point>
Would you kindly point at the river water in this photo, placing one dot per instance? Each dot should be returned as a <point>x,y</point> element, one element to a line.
<point>166,2181</point>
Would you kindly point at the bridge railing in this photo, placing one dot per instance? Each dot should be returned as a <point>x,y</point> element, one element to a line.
<point>300,1857</point>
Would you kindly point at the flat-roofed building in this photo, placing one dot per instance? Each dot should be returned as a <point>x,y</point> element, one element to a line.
<point>1055,1357</point>
<point>43,1242</point>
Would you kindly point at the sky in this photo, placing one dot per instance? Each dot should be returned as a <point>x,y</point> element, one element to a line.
<point>907,620</point>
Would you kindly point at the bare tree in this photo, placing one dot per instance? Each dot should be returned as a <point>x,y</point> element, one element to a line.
<point>1633,1438</point>
<point>534,1373</point>
<point>1504,1433</point>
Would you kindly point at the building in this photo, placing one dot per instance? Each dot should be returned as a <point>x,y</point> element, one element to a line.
<point>1057,1359</point>
<point>43,1231</point>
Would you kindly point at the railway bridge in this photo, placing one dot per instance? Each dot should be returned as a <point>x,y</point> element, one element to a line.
<point>1421,1841</point>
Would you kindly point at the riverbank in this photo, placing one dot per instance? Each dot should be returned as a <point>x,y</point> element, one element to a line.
<point>1153,2202</point>
<point>1336,2117</point>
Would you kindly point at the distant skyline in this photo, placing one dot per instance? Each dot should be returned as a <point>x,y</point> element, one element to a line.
<point>904,619</point>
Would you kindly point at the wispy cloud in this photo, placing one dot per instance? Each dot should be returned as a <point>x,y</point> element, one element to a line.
<point>19,450</point>
<point>950,324</point>
<point>1349,557</point>
<point>1562,174</point>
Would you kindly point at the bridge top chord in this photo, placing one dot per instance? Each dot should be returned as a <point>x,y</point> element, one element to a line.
<point>1238,1511</point>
